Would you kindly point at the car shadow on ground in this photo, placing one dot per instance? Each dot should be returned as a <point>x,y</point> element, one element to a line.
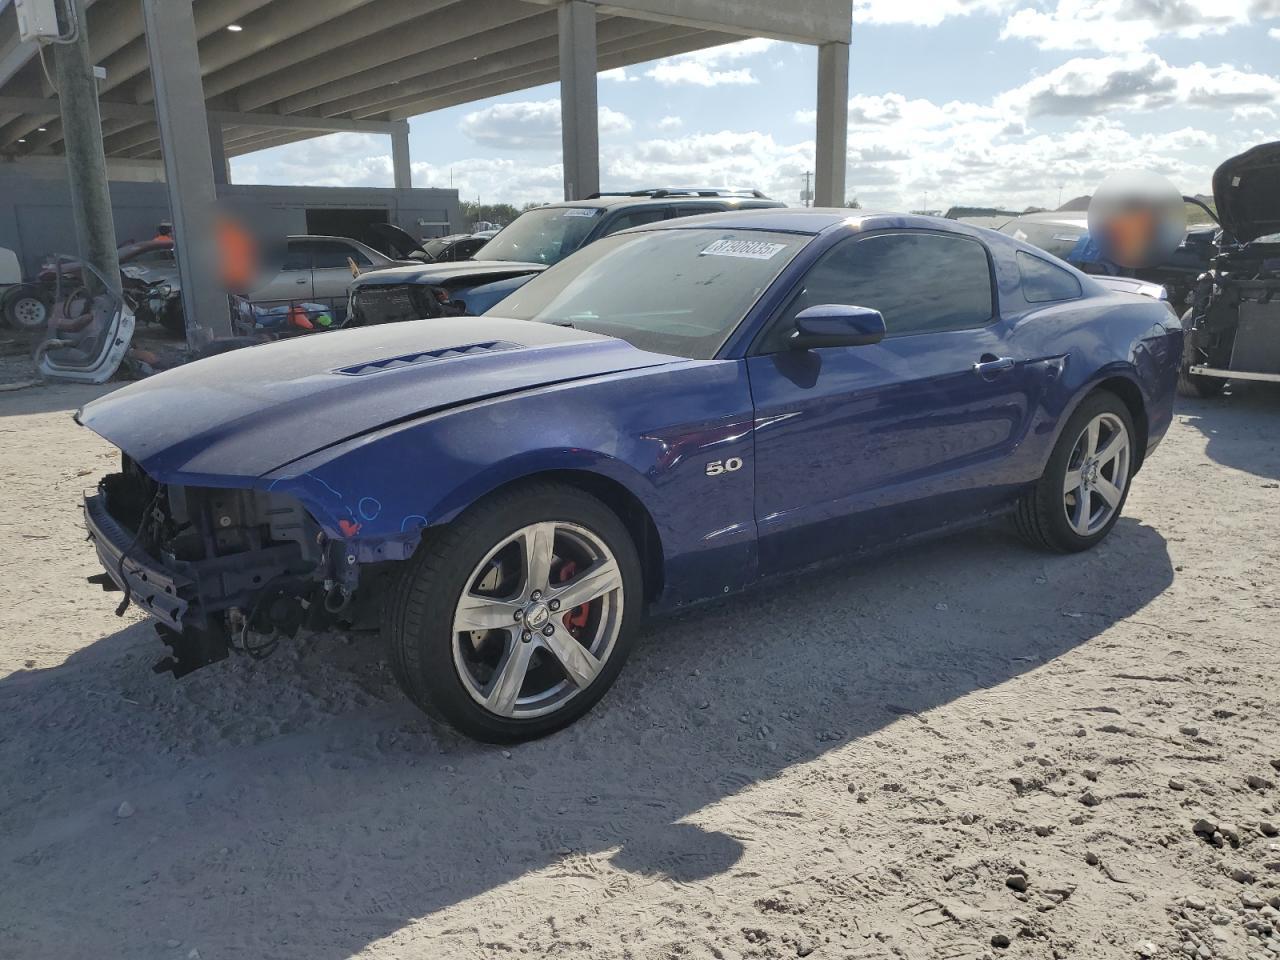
<point>301,807</point>
<point>1242,427</point>
<point>40,399</point>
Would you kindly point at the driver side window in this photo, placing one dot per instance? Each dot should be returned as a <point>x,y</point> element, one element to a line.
<point>921,282</point>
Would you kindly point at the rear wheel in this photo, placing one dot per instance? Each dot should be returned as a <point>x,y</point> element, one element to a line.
<point>514,620</point>
<point>1078,500</point>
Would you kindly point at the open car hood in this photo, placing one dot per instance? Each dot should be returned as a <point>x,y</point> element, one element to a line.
<point>1246,191</point>
<point>401,243</point>
<point>229,419</point>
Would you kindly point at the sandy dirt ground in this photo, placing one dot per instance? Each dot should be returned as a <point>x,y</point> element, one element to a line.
<point>968,750</point>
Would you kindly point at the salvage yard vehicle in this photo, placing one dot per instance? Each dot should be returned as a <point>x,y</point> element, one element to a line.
<point>675,413</point>
<point>316,268</point>
<point>536,239</point>
<point>1233,326</point>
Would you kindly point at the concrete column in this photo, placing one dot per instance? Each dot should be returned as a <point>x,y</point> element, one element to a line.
<point>579,119</point>
<point>218,153</point>
<point>400,168</point>
<point>833,125</point>
<point>188,164</point>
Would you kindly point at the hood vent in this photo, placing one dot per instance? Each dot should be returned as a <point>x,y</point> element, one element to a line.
<point>411,359</point>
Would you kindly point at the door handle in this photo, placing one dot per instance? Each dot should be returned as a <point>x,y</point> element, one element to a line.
<point>990,366</point>
<point>301,280</point>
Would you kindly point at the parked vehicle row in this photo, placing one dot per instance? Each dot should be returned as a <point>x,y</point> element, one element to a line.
<point>536,239</point>
<point>676,412</point>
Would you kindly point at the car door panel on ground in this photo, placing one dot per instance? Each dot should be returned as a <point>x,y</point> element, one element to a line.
<point>855,445</point>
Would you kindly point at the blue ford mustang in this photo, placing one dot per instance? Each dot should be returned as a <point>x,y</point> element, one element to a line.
<point>672,414</point>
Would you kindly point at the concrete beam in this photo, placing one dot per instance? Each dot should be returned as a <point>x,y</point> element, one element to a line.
<point>480,47</point>
<point>138,139</point>
<point>613,35</point>
<point>831,151</point>
<point>432,32</point>
<point>354,27</point>
<point>188,167</point>
<point>579,109</point>
<point>131,59</point>
<point>263,30</point>
<point>809,21</point>
<point>523,80</point>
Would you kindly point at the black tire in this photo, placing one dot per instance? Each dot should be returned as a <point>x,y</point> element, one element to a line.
<point>1195,385</point>
<point>26,307</point>
<point>1040,517</point>
<point>172,318</point>
<point>417,617</point>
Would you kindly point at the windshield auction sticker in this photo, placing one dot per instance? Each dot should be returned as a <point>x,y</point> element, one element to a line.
<point>582,211</point>
<point>744,249</point>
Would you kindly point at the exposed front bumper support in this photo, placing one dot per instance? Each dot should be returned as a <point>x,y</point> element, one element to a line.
<point>1234,374</point>
<point>151,586</point>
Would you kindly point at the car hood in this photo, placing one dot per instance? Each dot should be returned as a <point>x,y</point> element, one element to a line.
<point>452,273</point>
<point>1246,191</point>
<point>229,419</point>
<point>401,244</point>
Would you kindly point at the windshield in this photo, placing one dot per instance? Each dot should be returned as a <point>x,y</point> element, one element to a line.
<point>433,248</point>
<point>546,235</point>
<point>680,292</point>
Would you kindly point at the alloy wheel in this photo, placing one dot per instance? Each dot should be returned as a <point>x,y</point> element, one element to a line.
<point>1097,474</point>
<point>537,620</point>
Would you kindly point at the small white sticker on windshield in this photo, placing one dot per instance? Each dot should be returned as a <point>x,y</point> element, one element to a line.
<point>581,212</point>
<point>745,249</point>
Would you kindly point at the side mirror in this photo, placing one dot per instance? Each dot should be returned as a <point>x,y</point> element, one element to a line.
<point>837,325</point>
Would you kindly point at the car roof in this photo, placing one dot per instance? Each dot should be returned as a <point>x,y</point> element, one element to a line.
<point>810,220</point>
<point>615,200</point>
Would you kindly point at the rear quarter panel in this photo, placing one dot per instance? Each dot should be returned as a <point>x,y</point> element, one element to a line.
<point>1089,342</point>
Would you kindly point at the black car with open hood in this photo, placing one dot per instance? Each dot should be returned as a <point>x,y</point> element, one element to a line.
<point>1233,326</point>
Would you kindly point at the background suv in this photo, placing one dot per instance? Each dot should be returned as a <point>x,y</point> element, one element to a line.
<point>534,241</point>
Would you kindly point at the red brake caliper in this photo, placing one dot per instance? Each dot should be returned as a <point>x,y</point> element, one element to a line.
<point>576,618</point>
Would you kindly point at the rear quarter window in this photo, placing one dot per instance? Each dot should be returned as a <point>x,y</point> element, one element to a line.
<point>1043,282</point>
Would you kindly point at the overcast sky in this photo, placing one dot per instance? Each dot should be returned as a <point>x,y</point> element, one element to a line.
<point>1003,102</point>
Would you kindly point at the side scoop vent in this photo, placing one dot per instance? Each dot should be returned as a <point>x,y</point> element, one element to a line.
<point>426,356</point>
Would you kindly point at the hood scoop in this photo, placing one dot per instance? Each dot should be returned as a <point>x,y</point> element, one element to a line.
<point>425,356</point>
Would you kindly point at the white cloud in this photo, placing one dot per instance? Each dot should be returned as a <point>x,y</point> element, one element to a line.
<point>699,74</point>
<point>334,160</point>
<point>1089,86</point>
<point>700,67</point>
<point>1252,114</point>
<point>1118,26</point>
<point>1274,33</point>
<point>670,123</point>
<point>619,75</point>
<point>529,124</point>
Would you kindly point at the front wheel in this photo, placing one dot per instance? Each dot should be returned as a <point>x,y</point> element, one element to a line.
<point>26,308</point>
<point>1078,500</point>
<point>515,619</point>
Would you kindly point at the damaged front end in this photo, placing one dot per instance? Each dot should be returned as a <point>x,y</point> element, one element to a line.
<point>219,569</point>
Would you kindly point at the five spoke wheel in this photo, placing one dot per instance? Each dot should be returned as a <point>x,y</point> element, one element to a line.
<point>1096,475</point>
<point>538,619</point>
